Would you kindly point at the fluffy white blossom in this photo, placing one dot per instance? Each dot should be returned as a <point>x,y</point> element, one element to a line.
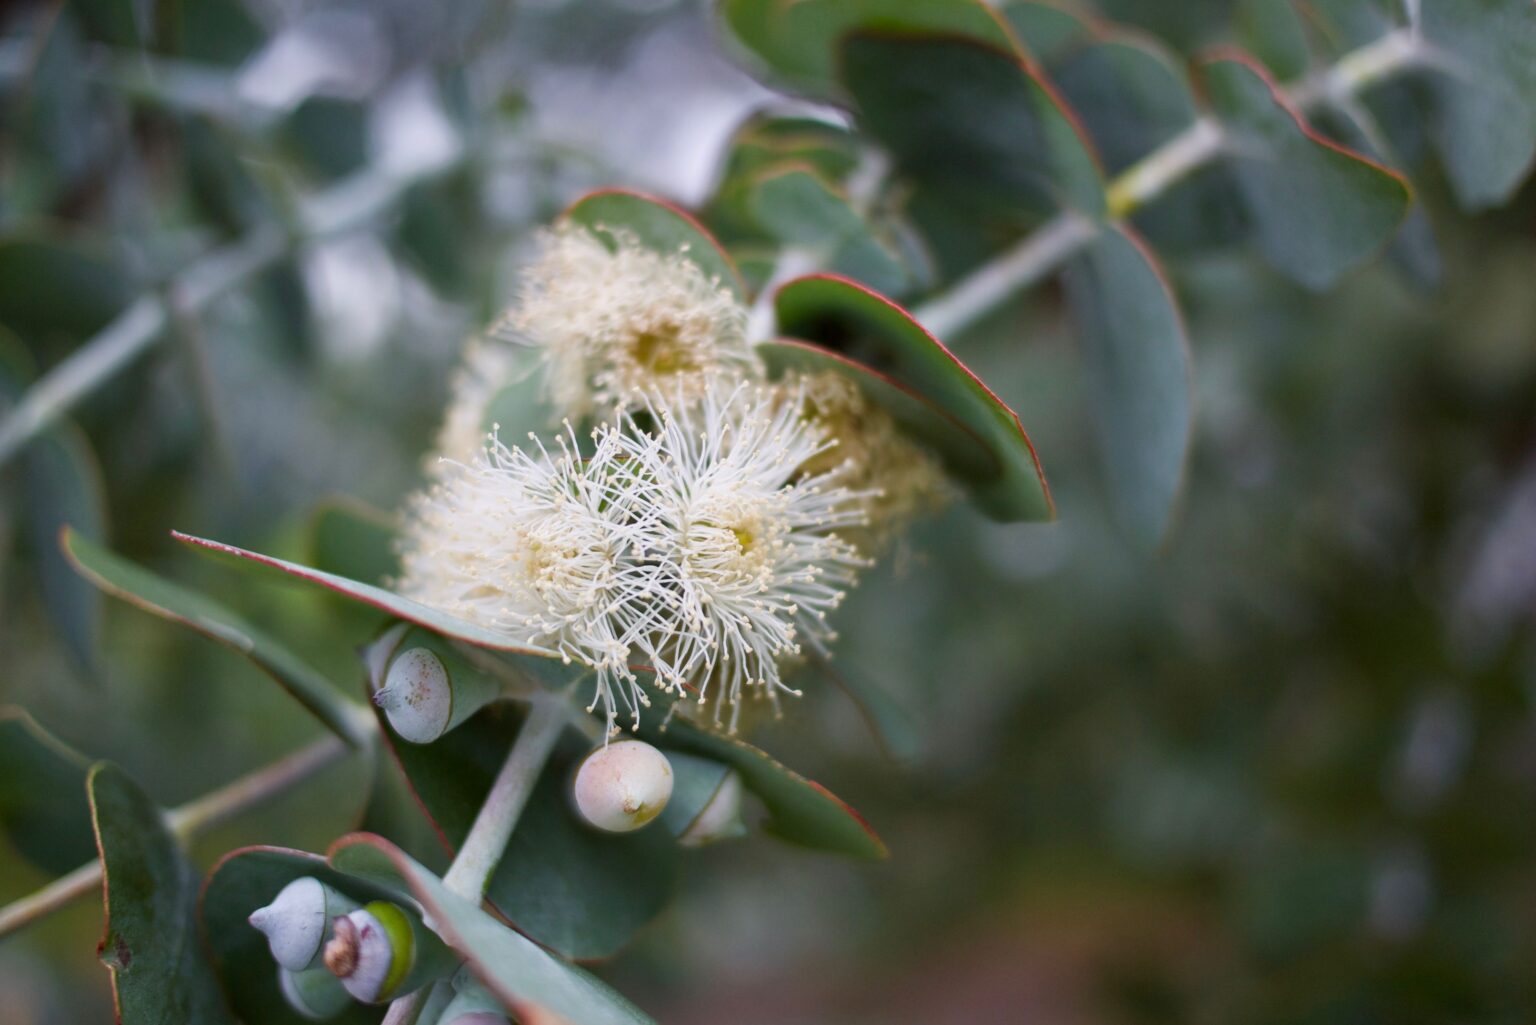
<point>687,541</point>
<point>611,318</point>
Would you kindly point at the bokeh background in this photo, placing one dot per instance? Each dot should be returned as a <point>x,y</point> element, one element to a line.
<point>1282,770</point>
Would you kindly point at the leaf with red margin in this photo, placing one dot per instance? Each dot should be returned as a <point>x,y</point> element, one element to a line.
<point>865,327</point>
<point>543,665</point>
<point>1137,357</point>
<point>580,892</point>
<point>43,808</point>
<point>974,123</point>
<point>963,453</point>
<point>152,593</point>
<point>1318,209</point>
<point>800,810</point>
<point>659,226</point>
<point>797,40</point>
<point>529,981</point>
<point>1484,90</point>
<point>249,878</point>
<point>149,939</point>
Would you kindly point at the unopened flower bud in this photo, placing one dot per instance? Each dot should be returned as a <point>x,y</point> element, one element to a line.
<point>720,818</point>
<point>316,993</point>
<point>423,686</point>
<point>379,952</point>
<point>296,920</point>
<point>623,786</point>
<point>479,1018</point>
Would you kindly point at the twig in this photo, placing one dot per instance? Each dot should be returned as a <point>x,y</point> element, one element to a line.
<point>1045,249</point>
<point>344,207</point>
<point>185,822</point>
<point>483,848</point>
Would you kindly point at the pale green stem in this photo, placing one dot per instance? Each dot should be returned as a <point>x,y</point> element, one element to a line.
<point>185,822</point>
<point>345,207</point>
<point>1056,241</point>
<point>483,848</point>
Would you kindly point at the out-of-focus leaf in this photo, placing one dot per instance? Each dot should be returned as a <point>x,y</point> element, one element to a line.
<point>49,285</point>
<point>63,488</point>
<point>328,135</point>
<point>530,981</point>
<point>149,942</point>
<point>893,725</point>
<point>1485,94</point>
<point>1317,208</point>
<point>1048,30</point>
<point>1413,250</point>
<point>61,485</point>
<point>1272,31</point>
<point>132,583</point>
<point>973,122</point>
<point>798,42</point>
<point>350,538</point>
<point>210,31</point>
<point>867,328</point>
<point>543,665</point>
<point>695,781</point>
<point>110,22</point>
<point>800,810</point>
<point>962,451</point>
<point>660,226</point>
<point>247,879</point>
<point>1131,96</point>
<point>798,207</point>
<point>1187,25</point>
<point>1137,357</point>
<point>580,892</point>
<point>43,806</point>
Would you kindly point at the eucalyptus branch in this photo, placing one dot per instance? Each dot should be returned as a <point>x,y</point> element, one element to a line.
<point>186,822</point>
<point>483,848</point>
<point>1050,245</point>
<point>348,206</point>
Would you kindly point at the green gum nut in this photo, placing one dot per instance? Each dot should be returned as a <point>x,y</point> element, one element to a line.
<point>316,994</point>
<point>423,684</point>
<point>295,922</point>
<point>381,951</point>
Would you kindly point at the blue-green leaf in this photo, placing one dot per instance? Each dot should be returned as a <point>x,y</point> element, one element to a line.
<point>1137,357</point>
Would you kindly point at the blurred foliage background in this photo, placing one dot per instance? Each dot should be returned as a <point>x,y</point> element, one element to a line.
<point>1282,769</point>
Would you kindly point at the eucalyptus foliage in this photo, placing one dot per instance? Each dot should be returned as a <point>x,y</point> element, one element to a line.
<point>920,168</point>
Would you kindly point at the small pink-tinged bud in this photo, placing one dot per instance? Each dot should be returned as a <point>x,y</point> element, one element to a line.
<point>623,786</point>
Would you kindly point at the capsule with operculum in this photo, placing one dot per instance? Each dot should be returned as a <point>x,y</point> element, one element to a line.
<point>315,993</point>
<point>424,687</point>
<point>380,951</point>
<point>623,786</point>
<point>296,921</point>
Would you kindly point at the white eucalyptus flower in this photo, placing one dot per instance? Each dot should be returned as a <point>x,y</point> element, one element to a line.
<point>610,318</point>
<point>688,540</point>
<point>744,537</point>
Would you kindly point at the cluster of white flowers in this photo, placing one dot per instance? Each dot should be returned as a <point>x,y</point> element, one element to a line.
<point>708,524</point>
